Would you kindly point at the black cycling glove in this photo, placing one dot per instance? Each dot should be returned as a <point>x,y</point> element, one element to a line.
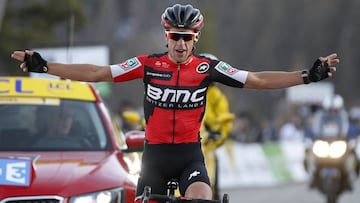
<point>35,63</point>
<point>319,71</point>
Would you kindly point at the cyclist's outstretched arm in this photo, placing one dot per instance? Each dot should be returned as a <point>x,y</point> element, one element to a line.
<point>324,67</point>
<point>80,72</point>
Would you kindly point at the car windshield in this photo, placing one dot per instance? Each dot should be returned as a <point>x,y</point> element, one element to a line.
<point>65,125</point>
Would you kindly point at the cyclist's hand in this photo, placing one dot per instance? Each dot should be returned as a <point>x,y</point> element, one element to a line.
<point>32,61</point>
<point>323,68</point>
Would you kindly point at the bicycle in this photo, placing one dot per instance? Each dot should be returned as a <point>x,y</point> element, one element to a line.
<point>172,185</point>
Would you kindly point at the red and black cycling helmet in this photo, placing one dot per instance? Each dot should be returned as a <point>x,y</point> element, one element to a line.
<point>182,16</point>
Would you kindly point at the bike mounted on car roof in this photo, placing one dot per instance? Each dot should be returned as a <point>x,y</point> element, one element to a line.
<point>172,185</point>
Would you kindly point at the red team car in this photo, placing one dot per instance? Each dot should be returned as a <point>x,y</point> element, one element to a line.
<point>58,145</point>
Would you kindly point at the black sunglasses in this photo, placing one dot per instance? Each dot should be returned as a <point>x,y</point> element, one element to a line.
<point>186,36</point>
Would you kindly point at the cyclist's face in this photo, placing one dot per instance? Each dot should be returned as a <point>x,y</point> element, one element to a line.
<point>180,45</point>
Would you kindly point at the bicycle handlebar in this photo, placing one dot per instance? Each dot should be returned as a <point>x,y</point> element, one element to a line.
<point>174,199</point>
<point>147,196</point>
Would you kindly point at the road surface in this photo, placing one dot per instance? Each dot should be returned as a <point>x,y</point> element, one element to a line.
<point>294,193</point>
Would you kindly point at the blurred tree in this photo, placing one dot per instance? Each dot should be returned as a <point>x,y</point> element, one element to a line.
<point>34,23</point>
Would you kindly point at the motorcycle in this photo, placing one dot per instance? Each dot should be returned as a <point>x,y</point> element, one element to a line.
<point>330,160</point>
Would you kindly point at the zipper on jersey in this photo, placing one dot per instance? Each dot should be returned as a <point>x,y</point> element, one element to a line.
<point>176,91</point>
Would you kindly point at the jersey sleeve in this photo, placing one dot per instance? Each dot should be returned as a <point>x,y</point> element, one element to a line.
<point>130,69</point>
<point>228,75</point>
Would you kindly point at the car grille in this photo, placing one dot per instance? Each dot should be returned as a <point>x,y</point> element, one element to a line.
<point>33,199</point>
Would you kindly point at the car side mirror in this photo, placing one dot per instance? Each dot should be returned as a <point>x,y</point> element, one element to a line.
<point>135,141</point>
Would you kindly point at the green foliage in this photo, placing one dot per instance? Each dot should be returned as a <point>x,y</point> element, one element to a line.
<point>29,24</point>
<point>209,40</point>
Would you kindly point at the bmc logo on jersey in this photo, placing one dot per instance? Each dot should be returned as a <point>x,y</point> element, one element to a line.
<point>176,98</point>
<point>202,67</point>
<point>226,68</point>
<point>130,64</point>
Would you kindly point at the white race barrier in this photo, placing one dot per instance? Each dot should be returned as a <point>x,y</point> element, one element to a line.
<point>252,165</point>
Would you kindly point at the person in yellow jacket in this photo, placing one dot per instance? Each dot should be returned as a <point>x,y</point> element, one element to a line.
<point>218,118</point>
<point>216,128</point>
<point>133,119</point>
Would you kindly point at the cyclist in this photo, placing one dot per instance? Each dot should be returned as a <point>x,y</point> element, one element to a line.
<point>175,84</point>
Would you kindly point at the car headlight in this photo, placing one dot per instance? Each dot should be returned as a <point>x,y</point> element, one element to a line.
<point>106,196</point>
<point>333,150</point>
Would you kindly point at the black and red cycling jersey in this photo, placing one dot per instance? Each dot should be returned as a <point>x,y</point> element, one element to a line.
<point>175,94</point>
